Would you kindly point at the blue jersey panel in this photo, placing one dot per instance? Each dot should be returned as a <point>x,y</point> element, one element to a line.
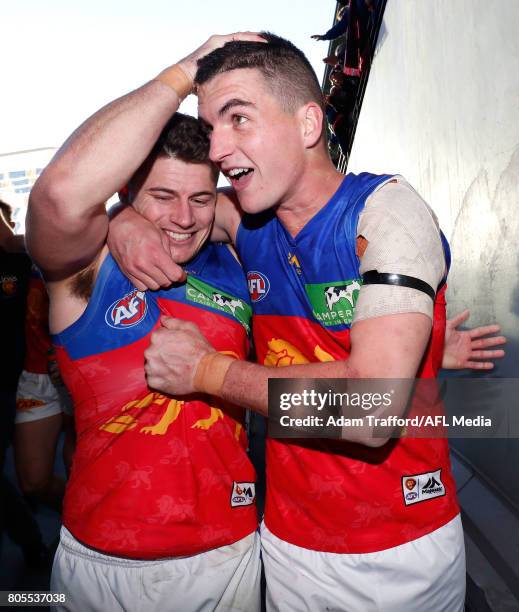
<point>315,274</point>
<point>118,314</point>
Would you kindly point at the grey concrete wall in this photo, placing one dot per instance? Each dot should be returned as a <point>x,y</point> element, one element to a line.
<point>442,108</point>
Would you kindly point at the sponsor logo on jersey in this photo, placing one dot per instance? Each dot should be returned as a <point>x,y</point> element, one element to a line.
<point>201,293</point>
<point>243,494</point>
<point>231,303</point>
<point>127,311</point>
<point>334,303</point>
<point>421,487</point>
<point>259,285</point>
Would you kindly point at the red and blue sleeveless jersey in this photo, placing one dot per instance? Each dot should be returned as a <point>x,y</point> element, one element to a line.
<point>156,476</point>
<point>328,495</point>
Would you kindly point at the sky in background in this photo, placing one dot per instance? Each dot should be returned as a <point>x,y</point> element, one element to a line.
<point>62,60</point>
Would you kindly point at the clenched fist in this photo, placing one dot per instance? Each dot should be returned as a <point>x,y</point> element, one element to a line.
<point>172,358</point>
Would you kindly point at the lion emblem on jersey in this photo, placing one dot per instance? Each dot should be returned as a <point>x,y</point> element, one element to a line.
<point>132,412</point>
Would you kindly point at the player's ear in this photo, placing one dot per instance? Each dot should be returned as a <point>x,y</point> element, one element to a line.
<point>312,117</point>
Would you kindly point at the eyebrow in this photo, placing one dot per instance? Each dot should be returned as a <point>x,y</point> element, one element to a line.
<point>202,193</point>
<point>197,194</point>
<point>231,104</point>
<point>164,189</point>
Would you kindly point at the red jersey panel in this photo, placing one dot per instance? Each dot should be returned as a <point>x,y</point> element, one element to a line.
<point>329,495</point>
<point>156,476</point>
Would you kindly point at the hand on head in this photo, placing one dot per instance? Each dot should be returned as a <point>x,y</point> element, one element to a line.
<point>189,63</point>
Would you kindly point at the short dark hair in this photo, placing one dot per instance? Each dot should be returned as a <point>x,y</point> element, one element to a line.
<point>184,138</point>
<point>286,69</point>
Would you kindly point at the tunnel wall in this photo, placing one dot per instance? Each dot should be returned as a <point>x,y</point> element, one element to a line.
<point>442,108</point>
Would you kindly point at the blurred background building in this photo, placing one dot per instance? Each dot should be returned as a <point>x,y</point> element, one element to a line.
<point>18,173</point>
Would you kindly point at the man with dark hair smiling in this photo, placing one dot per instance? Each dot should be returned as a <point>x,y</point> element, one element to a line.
<point>159,511</point>
<point>339,532</point>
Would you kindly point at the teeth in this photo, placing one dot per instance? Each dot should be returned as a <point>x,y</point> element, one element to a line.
<point>179,237</point>
<point>236,171</point>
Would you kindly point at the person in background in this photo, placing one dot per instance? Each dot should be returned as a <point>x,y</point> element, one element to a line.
<point>16,517</point>
<point>43,407</point>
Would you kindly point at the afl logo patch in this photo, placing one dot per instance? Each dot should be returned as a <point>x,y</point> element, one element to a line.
<point>127,311</point>
<point>259,285</point>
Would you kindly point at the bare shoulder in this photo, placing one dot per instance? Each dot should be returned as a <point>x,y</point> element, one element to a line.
<point>227,216</point>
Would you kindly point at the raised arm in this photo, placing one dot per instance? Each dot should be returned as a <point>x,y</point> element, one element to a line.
<point>67,224</point>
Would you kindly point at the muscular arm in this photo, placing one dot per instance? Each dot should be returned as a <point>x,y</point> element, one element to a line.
<point>389,343</point>
<point>388,337</point>
<point>67,222</point>
<point>383,347</point>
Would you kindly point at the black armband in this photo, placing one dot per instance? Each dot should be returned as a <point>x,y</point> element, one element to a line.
<point>400,280</point>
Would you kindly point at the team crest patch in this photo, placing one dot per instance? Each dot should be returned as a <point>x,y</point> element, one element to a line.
<point>201,293</point>
<point>421,487</point>
<point>334,303</point>
<point>259,285</point>
<point>243,494</point>
<point>127,311</point>
<point>9,285</point>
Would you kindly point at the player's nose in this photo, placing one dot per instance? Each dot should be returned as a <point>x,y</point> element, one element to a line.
<point>222,145</point>
<point>182,214</point>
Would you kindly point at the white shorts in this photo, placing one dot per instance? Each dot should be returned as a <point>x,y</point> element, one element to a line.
<point>38,398</point>
<point>224,579</point>
<point>425,575</point>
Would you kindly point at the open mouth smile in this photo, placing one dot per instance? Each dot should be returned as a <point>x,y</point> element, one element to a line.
<point>177,237</point>
<point>239,177</point>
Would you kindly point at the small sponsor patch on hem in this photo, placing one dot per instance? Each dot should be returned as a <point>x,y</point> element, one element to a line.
<point>243,494</point>
<point>421,487</point>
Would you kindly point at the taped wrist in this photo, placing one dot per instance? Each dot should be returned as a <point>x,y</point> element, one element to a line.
<point>210,373</point>
<point>177,80</point>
